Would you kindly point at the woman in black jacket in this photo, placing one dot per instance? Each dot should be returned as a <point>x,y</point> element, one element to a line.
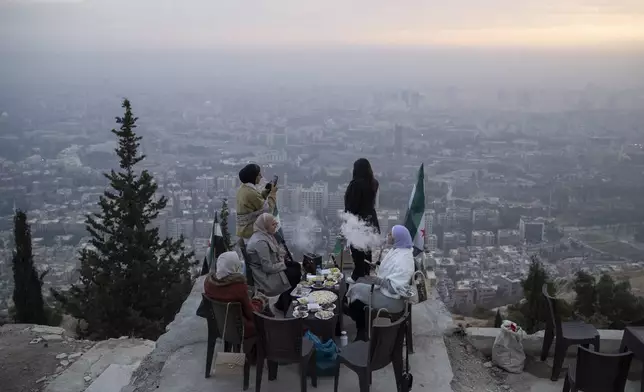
<point>360,200</point>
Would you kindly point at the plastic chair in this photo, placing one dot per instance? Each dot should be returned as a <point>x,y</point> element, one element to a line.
<point>384,347</point>
<point>597,372</point>
<point>281,341</point>
<point>567,333</point>
<point>249,273</point>
<point>233,335</point>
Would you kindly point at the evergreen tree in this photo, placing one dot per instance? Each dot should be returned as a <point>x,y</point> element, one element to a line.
<point>498,320</point>
<point>132,282</point>
<point>586,294</point>
<point>605,289</point>
<point>27,291</point>
<point>225,233</point>
<point>535,310</point>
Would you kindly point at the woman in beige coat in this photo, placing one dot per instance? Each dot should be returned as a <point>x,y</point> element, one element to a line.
<point>251,203</point>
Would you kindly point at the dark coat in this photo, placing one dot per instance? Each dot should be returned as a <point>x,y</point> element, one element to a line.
<point>233,288</point>
<point>360,200</point>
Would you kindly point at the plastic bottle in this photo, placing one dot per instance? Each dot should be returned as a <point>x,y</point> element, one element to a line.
<point>344,339</point>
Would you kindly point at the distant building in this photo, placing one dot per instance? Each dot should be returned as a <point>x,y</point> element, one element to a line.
<point>227,183</point>
<point>483,238</point>
<point>453,240</point>
<point>388,219</point>
<point>508,237</point>
<point>482,217</point>
<point>205,183</point>
<point>463,295</point>
<point>431,242</point>
<point>508,288</point>
<point>429,222</point>
<point>532,231</point>
<point>336,203</point>
<point>484,296</point>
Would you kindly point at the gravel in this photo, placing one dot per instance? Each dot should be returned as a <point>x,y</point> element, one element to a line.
<point>473,372</point>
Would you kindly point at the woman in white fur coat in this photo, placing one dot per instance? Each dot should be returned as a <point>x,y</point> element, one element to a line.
<point>392,284</point>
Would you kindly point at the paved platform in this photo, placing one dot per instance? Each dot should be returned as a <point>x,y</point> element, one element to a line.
<point>177,364</point>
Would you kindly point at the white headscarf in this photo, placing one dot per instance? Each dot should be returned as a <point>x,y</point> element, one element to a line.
<point>228,263</point>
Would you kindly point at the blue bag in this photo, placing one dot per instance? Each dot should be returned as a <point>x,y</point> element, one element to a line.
<point>326,355</point>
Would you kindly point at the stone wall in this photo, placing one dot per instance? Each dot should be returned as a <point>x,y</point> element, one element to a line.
<point>483,340</point>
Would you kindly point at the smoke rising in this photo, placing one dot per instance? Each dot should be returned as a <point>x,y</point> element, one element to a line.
<point>358,234</point>
<point>308,232</point>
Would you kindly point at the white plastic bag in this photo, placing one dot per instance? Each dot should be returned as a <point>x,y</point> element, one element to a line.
<point>507,352</point>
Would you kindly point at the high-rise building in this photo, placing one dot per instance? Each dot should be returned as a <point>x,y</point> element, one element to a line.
<point>336,203</point>
<point>482,238</point>
<point>429,221</point>
<point>205,183</point>
<point>532,231</point>
<point>431,242</point>
<point>226,183</point>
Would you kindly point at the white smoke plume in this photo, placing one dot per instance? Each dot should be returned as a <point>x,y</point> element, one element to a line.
<point>308,232</point>
<point>358,234</point>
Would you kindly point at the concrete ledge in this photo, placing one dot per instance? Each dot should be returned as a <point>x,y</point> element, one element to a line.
<point>483,340</point>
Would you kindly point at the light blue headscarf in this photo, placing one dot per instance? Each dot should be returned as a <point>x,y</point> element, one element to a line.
<point>402,238</point>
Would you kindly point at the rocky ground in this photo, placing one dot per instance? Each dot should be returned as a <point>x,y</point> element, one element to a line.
<point>473,372</point>
<point>33,355</point>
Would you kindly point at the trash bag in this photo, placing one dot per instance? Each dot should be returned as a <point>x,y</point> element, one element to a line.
<point>325,355</point>
<point>507,352</point>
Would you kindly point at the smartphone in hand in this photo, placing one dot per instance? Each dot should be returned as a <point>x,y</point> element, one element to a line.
<point>275,178</point>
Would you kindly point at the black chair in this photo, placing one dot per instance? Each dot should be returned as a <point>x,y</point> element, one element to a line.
<point>249,273</point>
<point>597,372</point>
<point>280,341</point>
<point>233,334</point>
<point>395,317</point>
<point>567,333</point>
<point>384,347</point>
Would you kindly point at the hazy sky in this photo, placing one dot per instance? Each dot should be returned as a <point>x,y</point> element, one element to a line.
<point>110,24</point>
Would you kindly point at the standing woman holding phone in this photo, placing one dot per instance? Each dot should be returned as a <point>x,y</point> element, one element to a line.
<point>360,200</point>
<point>252,202</point>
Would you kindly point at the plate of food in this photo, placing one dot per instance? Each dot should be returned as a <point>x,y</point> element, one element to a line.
<point>301,308</point>
<point>300,314</point>
<point>324,314</point>
<point>303,300</point>
<point>323,297</point>
<point>330,283</point>
<point>334,271</point>
<point>305,283</point>
<point>329,307</point>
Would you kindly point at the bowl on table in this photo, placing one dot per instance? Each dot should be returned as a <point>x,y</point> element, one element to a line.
<point>300,314</point>
<point>324,314</point>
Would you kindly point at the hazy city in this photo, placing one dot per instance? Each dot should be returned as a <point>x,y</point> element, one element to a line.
<point>533,150</point>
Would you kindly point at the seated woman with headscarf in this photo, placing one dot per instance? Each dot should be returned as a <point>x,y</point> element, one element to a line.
<point>272,273</point>
<point>252,202</point>
<point>228,284</point>
<point>393,282</point>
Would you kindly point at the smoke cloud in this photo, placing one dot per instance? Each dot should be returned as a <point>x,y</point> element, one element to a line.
<point>358,234</point>
<point>308,232</point>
